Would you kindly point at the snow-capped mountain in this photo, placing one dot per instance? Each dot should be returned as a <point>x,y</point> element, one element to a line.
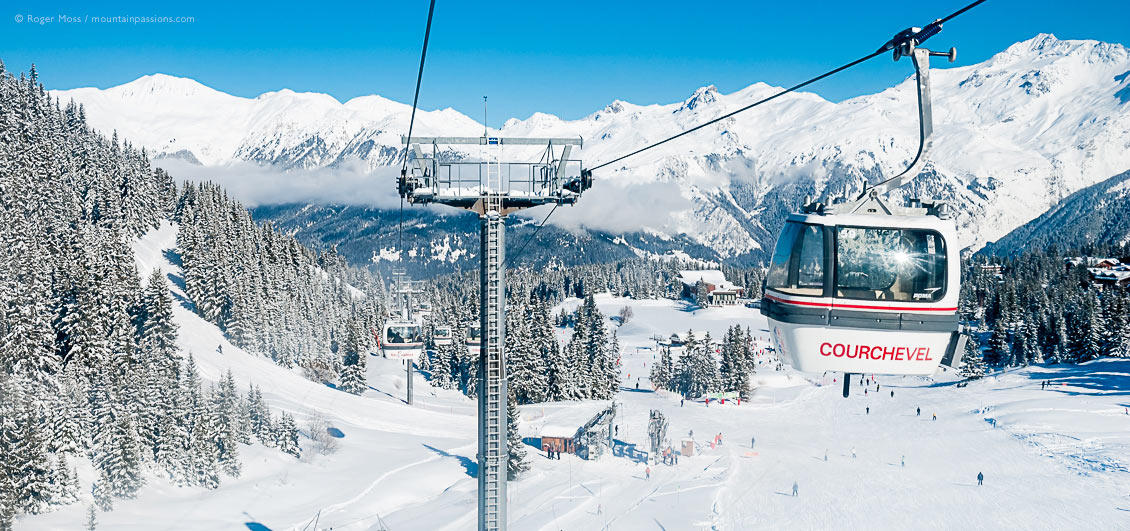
<point>1013,135</point>
<point>1098,215</point>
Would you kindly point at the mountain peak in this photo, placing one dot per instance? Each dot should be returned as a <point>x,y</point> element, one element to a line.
<point>163,85</point>
<point>702,96</point>
<point>1048,45</point>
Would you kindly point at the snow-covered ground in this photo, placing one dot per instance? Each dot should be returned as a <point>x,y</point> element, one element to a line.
<point>1052,459</point>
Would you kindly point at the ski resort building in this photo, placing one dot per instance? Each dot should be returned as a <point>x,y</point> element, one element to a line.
<point>586,432</point>
<point>1103,271</point>
<point>719,291</point>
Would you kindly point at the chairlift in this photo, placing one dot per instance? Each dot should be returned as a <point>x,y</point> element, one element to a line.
<point>865,286</point>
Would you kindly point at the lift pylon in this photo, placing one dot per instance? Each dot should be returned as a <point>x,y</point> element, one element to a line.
<point>493,189</point>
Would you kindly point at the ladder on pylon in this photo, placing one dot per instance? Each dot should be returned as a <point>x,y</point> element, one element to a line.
<point>493,388</point>
<point>493,186</point>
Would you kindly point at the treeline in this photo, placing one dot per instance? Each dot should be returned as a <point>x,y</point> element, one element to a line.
<point>538,368</point>
<point>698,372</point>
<point>1041,309</point>
<point>639,278</point>
<point>268,293</point>
<point>88,362</point>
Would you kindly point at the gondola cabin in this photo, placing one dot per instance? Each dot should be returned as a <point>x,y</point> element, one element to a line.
<point>474,338</point>
<point>402,339</point>
<point>864,285</point>
<point>864,293</point>
<point>441,336</point>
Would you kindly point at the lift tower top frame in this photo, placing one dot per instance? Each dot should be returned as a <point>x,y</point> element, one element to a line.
<point>493,189</point>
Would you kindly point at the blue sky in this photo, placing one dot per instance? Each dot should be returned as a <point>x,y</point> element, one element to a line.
<point>566,58</point>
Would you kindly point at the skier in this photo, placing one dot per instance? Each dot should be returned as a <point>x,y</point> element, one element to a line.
<point>904,461</point>
<point>682,401</point>
<point>752,440</point>
<point>935,416</point>
<point>868,410</point>
<point>825,455</point>
<point>549,452</point>
<point>637,384</point>
<point>980,478</point>
<point>853,452</point>
<point>647,471</point>
<point>617,430</point>
<point>220,349</point>
<point>876,387</point>
<point>919,414</point>
<point>795,488</point>
<point>865,392</point>
<point>892,394</point>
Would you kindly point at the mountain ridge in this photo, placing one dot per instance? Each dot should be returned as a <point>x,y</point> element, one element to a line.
<point>1013,135</point>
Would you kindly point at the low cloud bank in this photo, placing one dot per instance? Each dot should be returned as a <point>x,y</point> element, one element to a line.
<point>610,206</point>
<point>256,185</point>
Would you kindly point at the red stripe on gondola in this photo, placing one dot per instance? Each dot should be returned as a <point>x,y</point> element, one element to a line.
<point>860,306</point>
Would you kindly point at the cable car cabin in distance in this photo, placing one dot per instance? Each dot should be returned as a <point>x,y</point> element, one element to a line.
<point>402,340</point>
<point>474,338</point>
<point>861,293</point>
<point>441,336</point>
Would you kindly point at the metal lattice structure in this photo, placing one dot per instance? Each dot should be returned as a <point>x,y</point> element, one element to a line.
<point>493,189</point>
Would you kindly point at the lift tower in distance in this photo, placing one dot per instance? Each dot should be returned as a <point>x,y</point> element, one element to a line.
<point>493,189</point>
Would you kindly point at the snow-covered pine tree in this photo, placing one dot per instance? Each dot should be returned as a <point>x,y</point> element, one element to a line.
<point>259,417</point>
<point>1000,349</point>
<point>287,435</point>
<point>440,373</point>
<point>704,370</point>
<point>1093,341</point>
<point>525,372</point>
<point>353,371</point>
<point>684,366</point>
<point>973,360</point>
<point>611,369</point>
<point>662,373</point>
<point>225,412</point>
<point>516,451</point>
<point>202,456</point>
<point>731,368</point>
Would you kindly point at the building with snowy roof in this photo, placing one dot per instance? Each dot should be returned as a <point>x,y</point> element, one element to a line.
<point>719,291</point>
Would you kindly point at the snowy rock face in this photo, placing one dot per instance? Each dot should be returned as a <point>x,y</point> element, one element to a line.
<point>1013,136</point>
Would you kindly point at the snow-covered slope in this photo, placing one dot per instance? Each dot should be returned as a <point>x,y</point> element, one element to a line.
<point>1015,134</point>
<point>1052,459</point>
<point>1096,215</point>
